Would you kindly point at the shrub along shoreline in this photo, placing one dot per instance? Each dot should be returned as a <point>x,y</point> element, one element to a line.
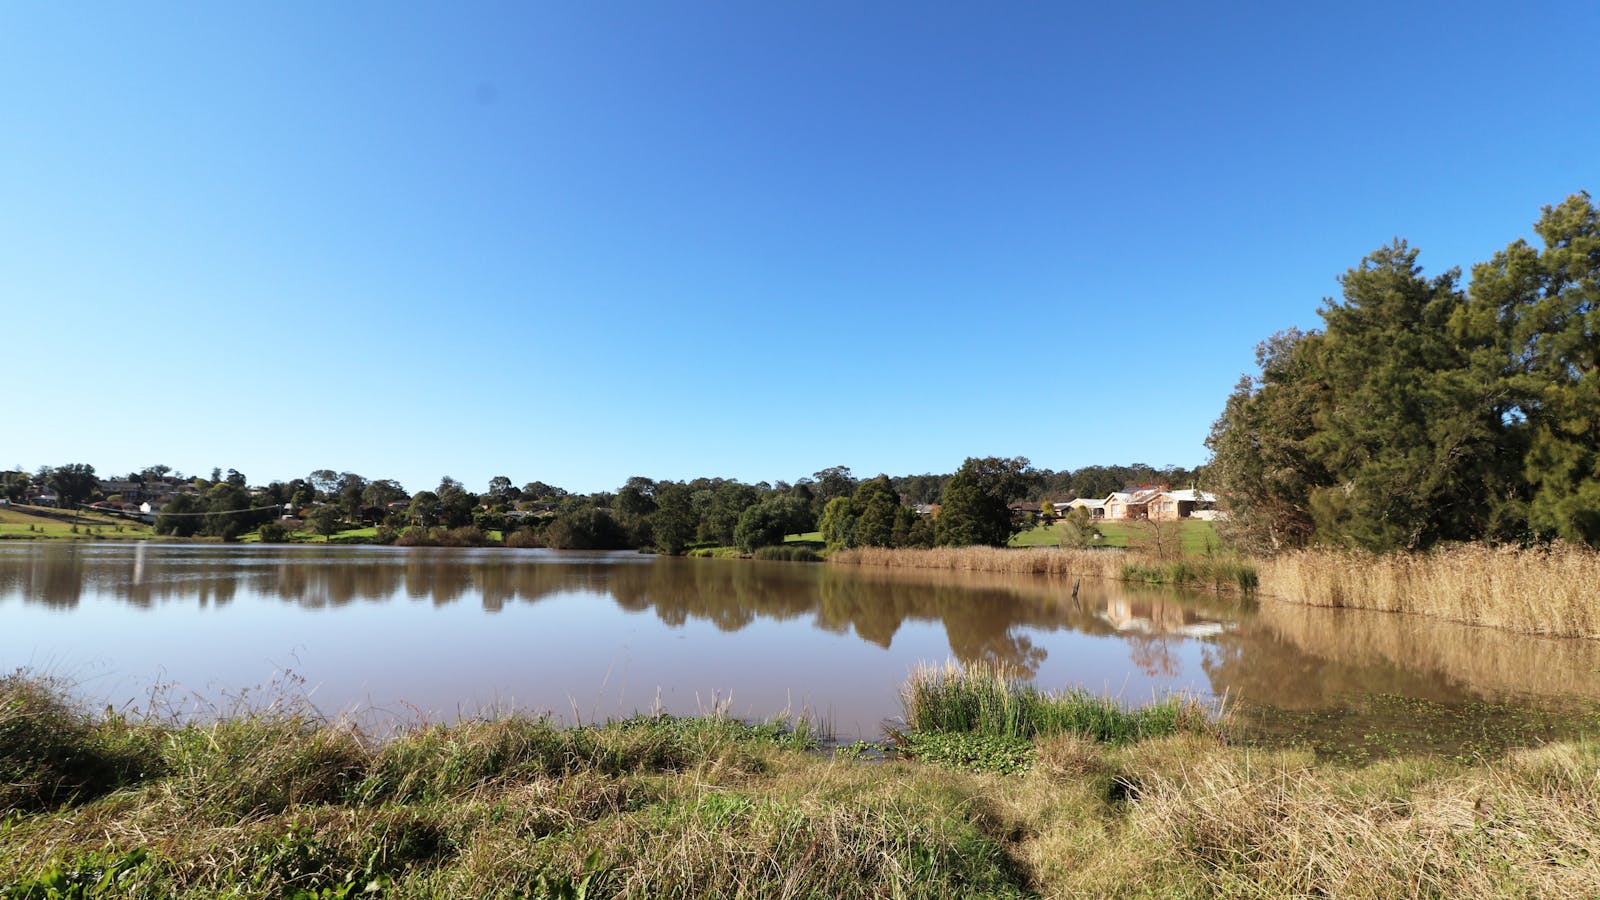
<point>1009,793</point>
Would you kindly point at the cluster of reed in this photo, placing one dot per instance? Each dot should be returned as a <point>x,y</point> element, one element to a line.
<point>1552,591</point>
<point>988,700</point>
<point>1215,573</point>
<point>1061,563</point>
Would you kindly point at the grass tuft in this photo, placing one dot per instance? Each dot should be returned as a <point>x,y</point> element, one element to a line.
<point>52,752</point>
<point>986,700</point>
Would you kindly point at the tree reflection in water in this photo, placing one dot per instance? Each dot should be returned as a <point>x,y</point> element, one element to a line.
<point>1289,656</point>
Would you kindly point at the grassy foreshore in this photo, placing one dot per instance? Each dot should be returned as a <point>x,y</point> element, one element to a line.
<point>1098,802</point>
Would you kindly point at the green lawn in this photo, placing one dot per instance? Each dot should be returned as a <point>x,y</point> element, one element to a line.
<point>37,523</point>
<point>1195,537</point>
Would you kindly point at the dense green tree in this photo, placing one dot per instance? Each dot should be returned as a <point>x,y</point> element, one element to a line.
<point>838,523</point>
<point>377,496</point>
<point>539,492</point>
<point>1545,309</point>
<point>326,520</point>
<point>1385,430</point>
<point>502,492</point>
<point>1410,434</point>
<point>352,496</point>
<point>826,484</point>
<point>455,503</point>
<point>769,521</point>
<point>180,516</point>
<point>73,483</point>
<point>877,508</point>
<point>974,509</point>
<point>424,509</point>
<point>325,482</point>
<point>1261,458</point>
<point>719,507</point>
<point>636,498</point>
<point>1420,414</point>
<point>923,488</point>
<point>231,511</point>
<point>673,524</point>
<point>584,528</point>
<point>14,486</point>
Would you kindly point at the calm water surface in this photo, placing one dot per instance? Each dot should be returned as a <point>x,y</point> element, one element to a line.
<point>436,633</point>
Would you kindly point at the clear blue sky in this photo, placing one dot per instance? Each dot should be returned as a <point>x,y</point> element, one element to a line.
<point>576,242</point>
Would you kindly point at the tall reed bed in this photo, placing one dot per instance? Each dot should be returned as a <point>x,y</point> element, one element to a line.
<point>1552,591</point>
<point>1215,573</point>
<point>1062,563</point>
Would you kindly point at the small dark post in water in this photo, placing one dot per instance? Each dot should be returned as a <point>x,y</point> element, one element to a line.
<point>1075,584</point>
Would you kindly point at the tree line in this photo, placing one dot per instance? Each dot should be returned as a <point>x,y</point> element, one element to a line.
<point>1425,412</point>
<point>666,516</point>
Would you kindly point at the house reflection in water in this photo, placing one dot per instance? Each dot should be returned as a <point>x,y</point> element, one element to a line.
<point>1150,625</point>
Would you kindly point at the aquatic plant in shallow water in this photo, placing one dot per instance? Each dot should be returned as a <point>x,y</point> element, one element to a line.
<point>988,700</point>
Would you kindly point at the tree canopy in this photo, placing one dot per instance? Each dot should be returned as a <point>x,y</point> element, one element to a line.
<point>1423,413</point>
<point>975,507</point>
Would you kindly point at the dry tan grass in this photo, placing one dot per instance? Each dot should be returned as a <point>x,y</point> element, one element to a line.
<point>1059,563</point>
<point>1526,826</point>
<point>1537,591</point>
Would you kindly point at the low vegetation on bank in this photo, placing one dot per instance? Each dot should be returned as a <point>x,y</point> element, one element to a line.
<point>284,803</point>
<point>1211,572</point>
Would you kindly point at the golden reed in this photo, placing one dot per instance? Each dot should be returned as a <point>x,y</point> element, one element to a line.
<point>1549,591</point>
<point>1554,591</point>
<point>1060,563</point>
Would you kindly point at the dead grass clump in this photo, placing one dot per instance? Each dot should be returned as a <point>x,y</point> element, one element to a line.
<point>1540,590</point>
<point>720,843</point>
<point>1529,826</point>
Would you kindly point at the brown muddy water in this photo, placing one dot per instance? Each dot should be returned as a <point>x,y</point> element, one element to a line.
<point>402,635</point>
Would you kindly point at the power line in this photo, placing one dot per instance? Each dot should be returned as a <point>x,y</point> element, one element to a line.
<point>222,512</point>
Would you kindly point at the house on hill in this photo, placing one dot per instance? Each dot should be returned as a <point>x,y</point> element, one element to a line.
<point>1150,502</point>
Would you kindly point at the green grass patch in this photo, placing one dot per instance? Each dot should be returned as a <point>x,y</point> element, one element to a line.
<point>1195,537</point>
<point>986,700</point>
<point>1228,574</point>
<point>970,751</point>
<point>280,802</point>
<point>43,523</point>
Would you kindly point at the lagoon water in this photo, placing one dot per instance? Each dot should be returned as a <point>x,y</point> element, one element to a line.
<point>430,634</point>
